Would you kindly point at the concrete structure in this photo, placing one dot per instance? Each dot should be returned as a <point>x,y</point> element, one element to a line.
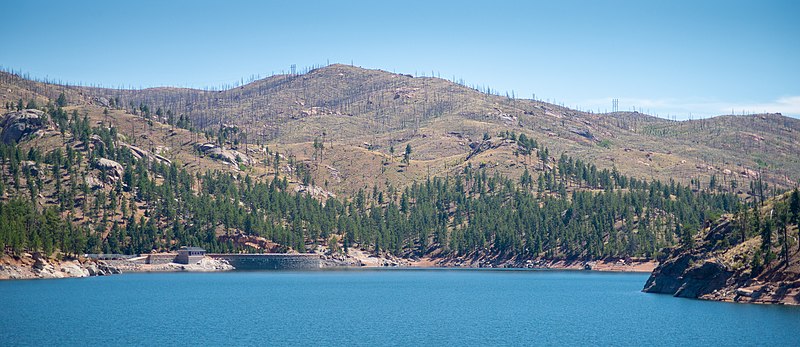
<point>190,255</point>
<point>271,261</point>
<point>103,256</point>
<point>160,258</point>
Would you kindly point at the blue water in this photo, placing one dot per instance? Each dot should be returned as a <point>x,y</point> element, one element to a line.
<point>381,307</point>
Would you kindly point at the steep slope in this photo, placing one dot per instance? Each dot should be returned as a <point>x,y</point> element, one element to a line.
<point>751,257</point>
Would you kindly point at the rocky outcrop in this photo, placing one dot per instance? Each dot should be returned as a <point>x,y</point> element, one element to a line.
<point>713,269</point>
<point>114,170</point>
<point>16,125</point>
<point>206,265</point>
<point>140,153</point>
<point>314,191</point>
<point>33,266</point>
<point>688,277</point>
<point>583,132</point>
<point>231,157</point>
<point>478,147</point>
<point>696,271</point>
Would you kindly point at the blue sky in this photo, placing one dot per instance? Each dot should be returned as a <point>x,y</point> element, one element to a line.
<point>671,58</point>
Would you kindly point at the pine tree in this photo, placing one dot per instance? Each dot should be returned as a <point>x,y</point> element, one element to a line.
<point>62,100</point>
<point>407,155</point>
<point>794,206</point>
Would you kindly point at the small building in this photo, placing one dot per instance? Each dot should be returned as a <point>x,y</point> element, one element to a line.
<point>190,255</point>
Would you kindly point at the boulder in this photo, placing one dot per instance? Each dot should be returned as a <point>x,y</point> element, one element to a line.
<point>114,170</point>
<point>102,101</point>
<point>107,269</point>
<point>16,125</point>
<point>206,147</point>
<point>43,269</point>
<point>747,293</point>
<point>39,263</point>
<point>582,132</point>
<point>74,269</point>
<point>221,154</point>
<point>137,152</point>
<point>140,153</point>
<point>92,269</point>
<point>228,156</point>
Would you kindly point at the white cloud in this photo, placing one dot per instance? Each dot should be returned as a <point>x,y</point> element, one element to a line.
<point>788,106</point>
<point>695,108</point>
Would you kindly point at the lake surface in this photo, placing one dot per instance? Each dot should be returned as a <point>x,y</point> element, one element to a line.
<point>377,307</point>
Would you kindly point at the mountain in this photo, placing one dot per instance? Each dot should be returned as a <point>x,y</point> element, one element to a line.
<point>753,256</point>
<point>360,114</point>
<point>343,158</point>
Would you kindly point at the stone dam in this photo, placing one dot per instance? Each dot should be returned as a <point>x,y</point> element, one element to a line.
<point>270,261</point>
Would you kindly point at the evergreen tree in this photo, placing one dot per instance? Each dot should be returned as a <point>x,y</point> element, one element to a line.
<point>407,154</point>
<point>794,206</point>
<point>62,100</point>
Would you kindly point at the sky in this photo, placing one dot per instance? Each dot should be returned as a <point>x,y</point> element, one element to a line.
<point>675,59</point>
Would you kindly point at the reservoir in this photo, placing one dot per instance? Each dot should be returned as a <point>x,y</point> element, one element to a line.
<point>377,307</point>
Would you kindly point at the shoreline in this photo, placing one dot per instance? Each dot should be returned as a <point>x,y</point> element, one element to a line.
<point>356,257</point>
<point>361,259</point>
<point>34,266</point>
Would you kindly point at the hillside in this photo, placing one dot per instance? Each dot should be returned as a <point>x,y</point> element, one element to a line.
<point>77,181</point>
<point>361,114</point>
<point>753,256</point>
<point>342,157</point>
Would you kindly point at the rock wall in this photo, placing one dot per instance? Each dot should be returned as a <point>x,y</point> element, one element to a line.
<point>161,258</point>
<point>270,261</point>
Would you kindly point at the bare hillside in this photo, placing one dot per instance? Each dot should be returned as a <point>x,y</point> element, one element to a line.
<point>360,115</point>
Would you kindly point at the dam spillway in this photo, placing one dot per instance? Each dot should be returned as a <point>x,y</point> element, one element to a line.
<point>270,261</point>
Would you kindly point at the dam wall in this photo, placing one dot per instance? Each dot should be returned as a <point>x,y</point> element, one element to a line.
<point>270,261</point>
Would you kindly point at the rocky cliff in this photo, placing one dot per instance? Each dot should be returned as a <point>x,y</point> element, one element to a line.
<point>718,268</point>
